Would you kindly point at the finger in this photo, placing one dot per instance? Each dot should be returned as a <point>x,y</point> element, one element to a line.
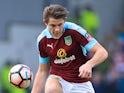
<point>80,73</point>
<point>85,75</point>
<point>88,75</point>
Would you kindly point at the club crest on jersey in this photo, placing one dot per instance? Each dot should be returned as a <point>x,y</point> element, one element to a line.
<point>68,40</point>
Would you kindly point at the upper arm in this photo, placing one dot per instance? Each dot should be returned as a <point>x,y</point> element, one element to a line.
<point>98,48</point>
<point>41,48</point>
<point>44,68</point>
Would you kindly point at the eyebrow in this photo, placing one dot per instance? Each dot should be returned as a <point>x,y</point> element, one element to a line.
<point>56,25</point>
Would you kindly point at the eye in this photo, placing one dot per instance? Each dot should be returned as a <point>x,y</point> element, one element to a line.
<point>60,24</point>
<point>52,25</point>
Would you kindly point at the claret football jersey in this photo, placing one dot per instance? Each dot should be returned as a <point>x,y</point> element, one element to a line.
<point>67,53</point>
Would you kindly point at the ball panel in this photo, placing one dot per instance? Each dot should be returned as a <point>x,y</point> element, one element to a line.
<point>25,73</point>
<point>15,79</point>
<point>15,68</point>
<point>25,84</point>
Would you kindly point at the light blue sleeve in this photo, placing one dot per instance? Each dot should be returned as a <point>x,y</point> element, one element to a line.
<point>44,60</point>
<point>90,45</point>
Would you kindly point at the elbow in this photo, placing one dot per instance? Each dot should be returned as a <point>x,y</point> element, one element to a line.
<point>105,54</point>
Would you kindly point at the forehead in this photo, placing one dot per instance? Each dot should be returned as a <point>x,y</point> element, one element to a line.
<point>55,21</point>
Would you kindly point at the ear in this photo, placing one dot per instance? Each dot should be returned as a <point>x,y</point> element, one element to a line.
<point>65,19</point>
<point>44,21</point>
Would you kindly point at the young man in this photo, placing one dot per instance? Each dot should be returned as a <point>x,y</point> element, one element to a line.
<point>63,63</point>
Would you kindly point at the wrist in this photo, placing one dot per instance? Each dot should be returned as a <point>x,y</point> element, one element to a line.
<point>90,64</point>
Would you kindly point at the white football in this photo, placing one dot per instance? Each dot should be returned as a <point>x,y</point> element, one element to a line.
<point>20,76</point>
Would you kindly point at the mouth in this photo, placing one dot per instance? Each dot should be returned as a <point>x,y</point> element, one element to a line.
<point>57,35</point>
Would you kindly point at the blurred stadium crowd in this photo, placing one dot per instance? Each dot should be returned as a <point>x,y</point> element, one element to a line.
<point>101,19</point>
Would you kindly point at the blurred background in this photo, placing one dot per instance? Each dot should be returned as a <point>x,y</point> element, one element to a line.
<point>21,23</point>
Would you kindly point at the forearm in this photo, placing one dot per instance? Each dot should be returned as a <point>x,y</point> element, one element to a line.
<point>99,57</point>
<point>39,82</point>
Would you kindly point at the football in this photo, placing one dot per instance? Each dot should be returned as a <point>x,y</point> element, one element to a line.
<point>20,76</point>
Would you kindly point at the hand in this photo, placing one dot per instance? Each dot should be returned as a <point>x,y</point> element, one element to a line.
<point>85,71</point>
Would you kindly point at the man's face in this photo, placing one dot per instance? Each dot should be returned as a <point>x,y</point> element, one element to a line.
<point>55,26</point>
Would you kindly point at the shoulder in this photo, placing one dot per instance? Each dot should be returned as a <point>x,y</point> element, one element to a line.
<point>70,25</point>
<point>45,33</point>
<point>42,36</point>
<point>73,26</point>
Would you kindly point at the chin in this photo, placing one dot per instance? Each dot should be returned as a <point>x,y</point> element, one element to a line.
<point>56,37</point>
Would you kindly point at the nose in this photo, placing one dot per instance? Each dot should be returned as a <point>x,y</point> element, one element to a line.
<point>57,28</point>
